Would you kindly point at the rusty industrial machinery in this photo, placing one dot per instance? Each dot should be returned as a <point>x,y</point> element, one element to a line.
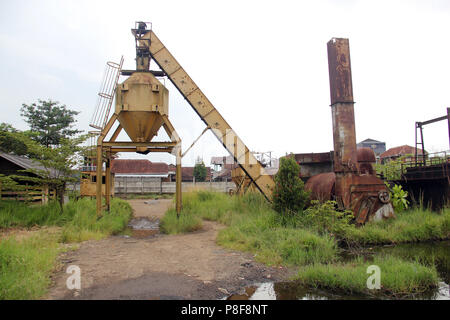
<point>353,183</point>
<point>142,108</point>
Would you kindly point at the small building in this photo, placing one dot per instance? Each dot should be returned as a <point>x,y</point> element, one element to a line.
<point>139,176</point>
<point>187,174</point>
<point>221,163</point>
<point>377,146</point>
<point>222,167</point>
<point>401,151</point>
<point>13,165</point>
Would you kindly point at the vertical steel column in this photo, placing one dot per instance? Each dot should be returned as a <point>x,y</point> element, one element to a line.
<point>344,136</point>
<point>108,182</point>
<point>448,119</point>
<point>99,179</point>
<point>178,178</point>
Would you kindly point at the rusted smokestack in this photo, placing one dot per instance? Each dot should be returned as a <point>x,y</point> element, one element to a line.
<point>359,191</point>
<point>344,136</point>
<point>341,91</point>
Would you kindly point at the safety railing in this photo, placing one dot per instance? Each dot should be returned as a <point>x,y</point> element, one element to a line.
<point>106,94</point>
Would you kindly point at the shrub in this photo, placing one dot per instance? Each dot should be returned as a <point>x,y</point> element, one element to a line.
<point>325,219</point>
<point>289,195</point>
<point>398,197</point>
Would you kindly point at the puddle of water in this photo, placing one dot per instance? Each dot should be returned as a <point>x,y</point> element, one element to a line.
<point>143,227</point>
<point>437,253</point>
<point>294,291</point>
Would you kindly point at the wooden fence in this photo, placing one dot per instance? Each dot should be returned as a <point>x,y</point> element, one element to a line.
<point>29,193</point>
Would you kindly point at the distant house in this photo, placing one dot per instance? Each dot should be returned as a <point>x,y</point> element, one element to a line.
<point>401,151</point>
<point>220,163</point>
<point>139,176</point>
<point>222,167</point>
<point>377,146</point>
<point>139,168</point>
<point>187,173</point>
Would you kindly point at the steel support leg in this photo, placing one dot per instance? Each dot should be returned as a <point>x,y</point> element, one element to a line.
<point>99,180</point>
<point>108,183</point>
<point>178,178</point>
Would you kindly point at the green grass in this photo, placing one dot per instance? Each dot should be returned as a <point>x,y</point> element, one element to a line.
<point>19,214</point>
<point>413,225</point>
<point>185,223</point>
<point>399,278</point>
<point>310,240</point>
<point>26,265</point>
<point>85,225</point>
<point>253,227</point>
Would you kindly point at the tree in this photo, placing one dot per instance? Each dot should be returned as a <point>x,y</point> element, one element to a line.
<point>58,164</point>
<point>289,195</point>
<point>200,171</point>
<point>50,121</point>
<point>9,142</point>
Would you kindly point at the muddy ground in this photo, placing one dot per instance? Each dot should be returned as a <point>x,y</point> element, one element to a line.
<point>150,265</point>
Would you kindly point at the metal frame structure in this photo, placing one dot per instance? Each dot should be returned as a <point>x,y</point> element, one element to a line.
<point>138,144</point>
<point>419,127</point>
<point>113,146</point>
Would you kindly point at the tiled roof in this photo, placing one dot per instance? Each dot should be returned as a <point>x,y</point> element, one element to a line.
<point>136,166</point>
<point>400,151</point>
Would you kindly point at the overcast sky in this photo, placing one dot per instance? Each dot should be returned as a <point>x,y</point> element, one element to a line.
<point>263,64</point>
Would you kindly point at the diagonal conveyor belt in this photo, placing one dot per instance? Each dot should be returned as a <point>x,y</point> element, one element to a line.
<point>206,111</point>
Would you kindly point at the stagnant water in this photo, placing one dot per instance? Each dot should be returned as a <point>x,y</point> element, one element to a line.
<point>437,253</point>
<point>143,227</point>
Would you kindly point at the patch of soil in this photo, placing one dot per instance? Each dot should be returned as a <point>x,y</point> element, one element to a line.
<point>188,266</point>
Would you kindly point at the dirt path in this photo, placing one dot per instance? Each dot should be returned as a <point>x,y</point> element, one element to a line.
<point>189,266</point>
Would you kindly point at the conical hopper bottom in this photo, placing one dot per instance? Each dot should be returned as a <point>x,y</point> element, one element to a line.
<point>141,126</point>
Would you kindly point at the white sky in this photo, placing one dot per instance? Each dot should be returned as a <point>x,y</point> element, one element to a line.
<point>263,64</point>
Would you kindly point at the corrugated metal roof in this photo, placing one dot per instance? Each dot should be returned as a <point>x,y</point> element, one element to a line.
<point>27,163</point>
